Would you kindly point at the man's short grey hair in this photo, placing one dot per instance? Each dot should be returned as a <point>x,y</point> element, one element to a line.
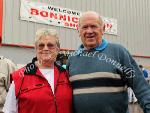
<point>101,22</point>
<point>45,32</point>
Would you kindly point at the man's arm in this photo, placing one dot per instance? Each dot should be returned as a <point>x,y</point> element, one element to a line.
<point>137,81</point>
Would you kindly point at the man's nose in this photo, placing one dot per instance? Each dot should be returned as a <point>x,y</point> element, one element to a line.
<point>89,30</point>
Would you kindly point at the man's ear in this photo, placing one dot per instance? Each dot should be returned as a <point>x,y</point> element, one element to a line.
<point>103,30</point>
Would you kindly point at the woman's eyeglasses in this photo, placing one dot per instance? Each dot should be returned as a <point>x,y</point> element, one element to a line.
<point>49,46</point>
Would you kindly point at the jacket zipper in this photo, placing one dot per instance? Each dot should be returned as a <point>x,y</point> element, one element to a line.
<point>55,95</point>
<point>55,103</point>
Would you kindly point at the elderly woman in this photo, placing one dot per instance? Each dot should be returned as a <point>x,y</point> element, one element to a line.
<point>42,86</point>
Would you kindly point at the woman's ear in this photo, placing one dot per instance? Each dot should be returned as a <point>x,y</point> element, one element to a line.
<point>58,49</point>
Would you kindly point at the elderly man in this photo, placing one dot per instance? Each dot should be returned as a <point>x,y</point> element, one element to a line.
<point>100,72</point>
<point>6,67</point>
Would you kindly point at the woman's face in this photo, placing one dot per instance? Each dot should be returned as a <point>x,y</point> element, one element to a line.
<point>47,49</point>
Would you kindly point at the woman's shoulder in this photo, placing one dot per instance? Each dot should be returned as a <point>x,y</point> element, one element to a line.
<point>18,74</point>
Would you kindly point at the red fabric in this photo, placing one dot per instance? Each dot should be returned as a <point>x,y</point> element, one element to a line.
<point>1,19</point>
<point>36,95</point>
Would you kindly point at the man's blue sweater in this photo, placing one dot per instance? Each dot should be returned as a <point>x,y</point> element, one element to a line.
<point>100,77</point>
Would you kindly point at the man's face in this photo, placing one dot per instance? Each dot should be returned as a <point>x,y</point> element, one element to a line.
<point>90,31</point>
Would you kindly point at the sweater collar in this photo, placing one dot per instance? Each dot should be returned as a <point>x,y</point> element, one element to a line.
<point>100,47</point>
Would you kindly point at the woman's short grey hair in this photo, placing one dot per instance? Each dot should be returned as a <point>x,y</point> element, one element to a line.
<point>45,32</point>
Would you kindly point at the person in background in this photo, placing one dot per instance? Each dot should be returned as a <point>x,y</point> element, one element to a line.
<point>100,72</point>
<point>62,59</point>
<point>6,67</point>
<point>42,86</point>
<point>145,72</point>
<point>131,95</point>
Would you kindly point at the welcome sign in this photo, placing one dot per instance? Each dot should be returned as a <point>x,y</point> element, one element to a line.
<point>57,16</point>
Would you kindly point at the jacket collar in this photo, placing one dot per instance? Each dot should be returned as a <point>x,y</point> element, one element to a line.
<point>32,69</point>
